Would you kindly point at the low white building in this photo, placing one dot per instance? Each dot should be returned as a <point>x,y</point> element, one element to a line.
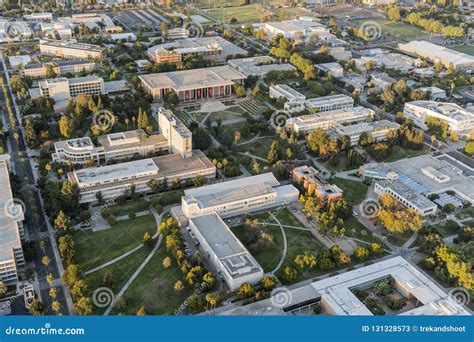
<point>60,68</point>
<point>259,65</point>
<point>331,69</point>
<point>227,254</point>
<point>297,29</point>
<point>329,103</point>
<point>434,92</point>
<point>38,16</point>
<point>294,100</point>
<point>459,119</point>
<point>378,130</point>
<point>61,89</point>
<point>238,197</point>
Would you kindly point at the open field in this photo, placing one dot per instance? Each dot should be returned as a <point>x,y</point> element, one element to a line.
<point>129,207</point>
<point>95,248</point>
<point>397,29</point>
<point>469,49</point>
<point>357,230</point>
<point>469,212</point>
<point>399,152</point>
<point>447,228</point>
<point>244,14</point>
<point>354,192</point>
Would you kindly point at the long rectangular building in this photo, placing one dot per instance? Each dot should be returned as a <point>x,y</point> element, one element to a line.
<point>227,254</point>
<point>60,68</point>
<point>62,88</point>
<point>70,50</point>
<point>237,197</point>
<point>192,86</point>
<point>328,103</point>
<point>112,181</point>
<point>11,229</point>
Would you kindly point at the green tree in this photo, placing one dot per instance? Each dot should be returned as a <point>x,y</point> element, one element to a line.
<point>246,290</point>
<point>62,221</point>
<point>65,126</point>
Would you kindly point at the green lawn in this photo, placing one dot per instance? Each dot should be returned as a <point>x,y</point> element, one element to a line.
<point>399,239</point>
<point>244,14</point>
<point>258,148</point>
<point>469,223</point>
<point>399,152</point>
<point>468,49</point>
<point>153,288</point>
<point>357,230</point>
<point>466,213</point>
<point>342,162</point>
<point>354,192</point>
<point>447,229</point>
<point>122,270</point>
<point>95,248</point>
<point>268,258</point>
<point>398,29</point>
<point>133,206</point>
<point>286,218</point>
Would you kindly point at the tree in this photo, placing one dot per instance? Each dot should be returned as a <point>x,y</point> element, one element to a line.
<point>376,248</point>
<point>65,126</point>
<point>3,289</point>
<point>46,260</point>
<point>108,280</point>
<point>469,149</point>
<point>212,299</point>
<point>56,306</point>
<point>178,286</point>
<point>239,90</point>
<point>147,239</point>
<point>166,262</point>
<point>66,247</point>
<point>62,221</point>
<point>141,311</point>
<point>361,253</point>
<point>83,306</point>
<point>37,308</point>
<point>246,290</point>
<point>394,14</point>
<point>290,274</point>
<point>268,283</point>
<point>273,154</point>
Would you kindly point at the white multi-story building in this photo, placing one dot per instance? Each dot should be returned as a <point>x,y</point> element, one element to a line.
<point>112,181</point>
<point>12,260</point>
<point>259,65</point>
<point>294,99</point>
<point>228,255</point>
<point>60,68</point>
<point>298,29</point>
<point>38,16</point>
<point>70,50</point>
<point>335,295</point>
<point>329,103</point>
<point>62,88</point>
<point>238,197</point>
<point>332,69</point>
<point>179,137</point>
<point>459,119</point>
<point>378,130</point>
<point>436,53</point>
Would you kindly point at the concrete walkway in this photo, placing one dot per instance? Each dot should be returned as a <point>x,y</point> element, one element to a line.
<point>285,245</point>
<point>286,226</point>
<point>134,275</point>
<point>253,156</point>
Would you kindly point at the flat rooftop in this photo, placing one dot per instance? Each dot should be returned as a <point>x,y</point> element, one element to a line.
<point>192,79</point>
<point>325,100</point>
<point>447,109</point>
<point>423,47</point>
<point>227,248</point>
<point>367,127</point>
<point>71,45</point>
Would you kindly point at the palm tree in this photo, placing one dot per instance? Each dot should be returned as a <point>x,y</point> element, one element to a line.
<point>50,279</point>
<point>225,162</point>
<point>46,260</point>
<point>56,306</point>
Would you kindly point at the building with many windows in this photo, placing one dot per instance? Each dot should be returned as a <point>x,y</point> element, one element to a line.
<point>308,178</point>
<point>112,181</point>
<point>460,120</point>
<point>294,100</point>
<point>62,88</point>
<point>329,103</point>
<point>178,136</point>
<point>227,254</point>
<point>12,260</point>
<point>60,68</point>
<point>70,49</point>
<point>259,65</point>
<point>378,130</point>
<point>235,197</point>
<point>328,120</point>
<point>194,86</point>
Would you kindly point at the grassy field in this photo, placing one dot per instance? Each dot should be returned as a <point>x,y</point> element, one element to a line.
<point>397,29</point>
<point>354,192</point>
<point>399,152</point>
<point>244,14</point>
<point>95,248</point>
<point>343,163</point>
<point>258,148</point>
<point>357,230</point>
<point>468,49</point>
<point>286,218</point>
<point>153,288</point>
<point>469,212</point>
<point>399,239</point>
<point>121,271</point>
<point>133,206</point>
<point>448,228</point>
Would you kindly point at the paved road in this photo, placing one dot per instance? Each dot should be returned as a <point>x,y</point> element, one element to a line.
<point>36,227</point>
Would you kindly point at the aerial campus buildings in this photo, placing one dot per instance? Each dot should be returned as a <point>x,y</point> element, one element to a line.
<point>412,181</point>
<point>62,88</point>
<point>203,209</point>
<point>336,295</point>
<point>70,49</point>
<point>213,48</point>
<point>60,68</point>
<point>460,120</point>
<point>436,53</point>
<point>114,180</point>
<point>193,86</point>
<point>12,260</point>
